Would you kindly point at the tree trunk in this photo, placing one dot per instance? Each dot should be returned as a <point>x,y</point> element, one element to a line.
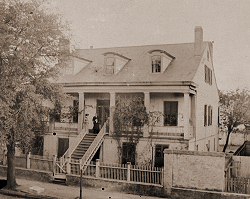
<point>11,177</point>
<point>227,140</point>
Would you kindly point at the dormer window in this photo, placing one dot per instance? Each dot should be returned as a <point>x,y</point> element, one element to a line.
<point>160,60</point>
<point>110,65</point>
<point>114,62</point>
<point>156,64</point>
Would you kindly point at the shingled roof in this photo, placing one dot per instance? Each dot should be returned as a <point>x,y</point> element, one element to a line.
<point>138,68</point>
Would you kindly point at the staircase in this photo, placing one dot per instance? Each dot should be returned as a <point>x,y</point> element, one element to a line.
<point>83,146</point>
<point>86,149</point>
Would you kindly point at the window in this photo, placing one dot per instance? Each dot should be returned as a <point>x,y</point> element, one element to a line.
<point>110,65</point>
<point>208,75</point>
<point>170,113</point>
<point>128,152</point>
<point>159,155</point>
<point>208,115</point>
<point>156,64</point>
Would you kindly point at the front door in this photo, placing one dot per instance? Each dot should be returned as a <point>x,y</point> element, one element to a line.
<point>103,111</point>
<point>63,145</point>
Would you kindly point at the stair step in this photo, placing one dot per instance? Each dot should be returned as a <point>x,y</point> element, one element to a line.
<point>79,153</point>
<point>59,176</point>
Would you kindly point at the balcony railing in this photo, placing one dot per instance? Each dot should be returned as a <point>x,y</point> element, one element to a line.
<point>167,131</point>
<point>66,126</point>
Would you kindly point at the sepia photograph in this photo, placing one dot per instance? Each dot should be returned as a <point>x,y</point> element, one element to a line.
<point>125,99</point>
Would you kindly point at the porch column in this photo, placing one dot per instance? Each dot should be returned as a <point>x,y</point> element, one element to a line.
<point>147,100</point>
<point>186,114</point>
<point>81,112</point>
<point>147,105</point>
<point>112,109</point>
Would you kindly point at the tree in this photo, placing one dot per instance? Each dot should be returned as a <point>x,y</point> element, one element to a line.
<point>129,118</point>
<point>234,110</point>
<point>32,41</point>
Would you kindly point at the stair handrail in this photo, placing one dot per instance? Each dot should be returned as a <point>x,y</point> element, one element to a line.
<point>238,151</point>
<point>93,145</point>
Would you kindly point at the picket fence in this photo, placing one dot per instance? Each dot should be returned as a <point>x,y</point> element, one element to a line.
<point>121,172</point>
<point>97,169</point>
<point>237,185</point>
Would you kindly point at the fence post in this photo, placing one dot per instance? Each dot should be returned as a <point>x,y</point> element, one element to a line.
<point>68,165</point>
<point>54,164</point>
<point>28,161</point>
<point>128,173</point>
<point>97,168</point>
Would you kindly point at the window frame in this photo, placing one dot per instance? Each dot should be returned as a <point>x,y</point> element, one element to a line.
<point>208,75</point>
<point>110,67</point>
<point>165,123</point>
<point>129,156</point>
<point>156,67</point>
<point>208,115</point>
<point>159,160</point>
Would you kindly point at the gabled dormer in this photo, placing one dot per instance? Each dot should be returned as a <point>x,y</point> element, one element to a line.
<point>114,62</point>
<point>160,60</point>
<point>76,65</point>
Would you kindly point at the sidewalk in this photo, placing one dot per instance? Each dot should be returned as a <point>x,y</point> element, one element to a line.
<point>51,190</point>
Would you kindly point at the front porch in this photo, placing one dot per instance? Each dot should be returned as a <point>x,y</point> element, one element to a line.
<point>172,114</point>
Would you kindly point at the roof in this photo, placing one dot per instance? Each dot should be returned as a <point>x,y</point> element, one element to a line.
<point>183,67</point>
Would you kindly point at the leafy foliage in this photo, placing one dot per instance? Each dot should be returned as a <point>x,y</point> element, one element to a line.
<point>129,118</point>
<point>31,51</point>
<point>234,110</point>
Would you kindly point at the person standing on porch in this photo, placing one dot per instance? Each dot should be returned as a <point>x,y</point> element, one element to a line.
<point>96,124</point>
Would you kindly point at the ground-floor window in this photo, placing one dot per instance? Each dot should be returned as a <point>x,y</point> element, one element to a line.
<point>159,155</point>
<point>37,145</point>
<point>128,152</point>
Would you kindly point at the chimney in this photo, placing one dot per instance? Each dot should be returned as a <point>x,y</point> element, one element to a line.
<point>198,40</point>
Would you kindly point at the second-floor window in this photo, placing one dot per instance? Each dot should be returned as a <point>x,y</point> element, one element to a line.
<point>156,64</point>
<point>208,75</point>
<point>170,113</point>
<point>110,65</point>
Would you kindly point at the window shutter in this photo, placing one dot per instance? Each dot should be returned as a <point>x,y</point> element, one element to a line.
<point>209,115</point>
<point>205,115</point>
<point>211,74</point>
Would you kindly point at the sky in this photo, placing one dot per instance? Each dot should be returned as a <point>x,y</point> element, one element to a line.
<point>116,23</point>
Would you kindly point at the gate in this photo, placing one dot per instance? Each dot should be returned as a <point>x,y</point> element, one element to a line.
<point>59,170</point>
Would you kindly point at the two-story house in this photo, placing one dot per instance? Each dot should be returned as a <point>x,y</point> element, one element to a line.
<point>175,79</point>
